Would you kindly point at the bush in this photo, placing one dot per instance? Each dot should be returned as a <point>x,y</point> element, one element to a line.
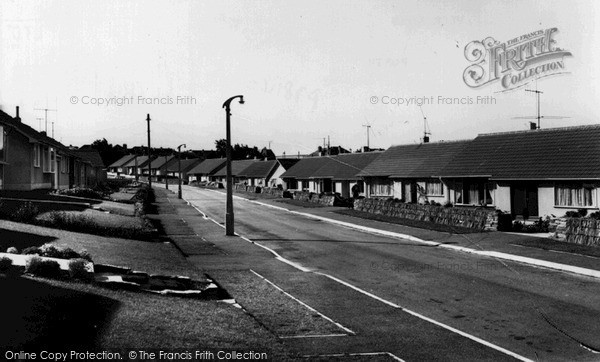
<point>517,226</point>
<point>595,215</point>
<point>582,212</point>
<point>5,264</point>
<point>42,268</point>
<point>31,250</point>
<point>504,221</point>
<point>448,204</point>
<point>12,250</point>
<point>77,269</point>
<point>82,192</point>
<point>25,213</point>
<point>540,226</point>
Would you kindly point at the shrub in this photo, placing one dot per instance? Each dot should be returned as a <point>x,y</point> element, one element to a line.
<point>12,250</point>
<point>540,226</point>
<point>25,213</point>
<point>504,221</point>
<point>82,192</point>
<point>448,204</point>
<point>42,268</point>
<point>77,269</point>
<point>5,264</point>
<point>582,212</point>
<point>31,250</point>
<point>517,226</point>
<point>595,215</point>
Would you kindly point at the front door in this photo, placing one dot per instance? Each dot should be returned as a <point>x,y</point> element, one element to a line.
<point>524,199</point>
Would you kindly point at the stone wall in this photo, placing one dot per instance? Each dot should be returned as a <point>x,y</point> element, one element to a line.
<point>584,231</point>
<point>307,196</point>
<point>480,219</point>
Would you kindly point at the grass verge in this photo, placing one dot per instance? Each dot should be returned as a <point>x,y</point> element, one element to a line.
<point>549,244</point>
<point>408,222</point>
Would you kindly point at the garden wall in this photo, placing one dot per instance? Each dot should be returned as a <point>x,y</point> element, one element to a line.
<point>584,231</point>
<point>307,196</point>
<point>480,219</point>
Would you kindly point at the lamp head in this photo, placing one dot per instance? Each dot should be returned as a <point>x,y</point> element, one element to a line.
<point>242,100</point>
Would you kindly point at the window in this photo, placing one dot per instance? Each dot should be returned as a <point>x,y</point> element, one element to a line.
<point>304,185</point>
<point>2,144</point>
<point>473,193</point>
<point>573,195</point>
<point>36,155</point>
<point>434,188</point>
<point>381,188</point>
<point>49,159</point>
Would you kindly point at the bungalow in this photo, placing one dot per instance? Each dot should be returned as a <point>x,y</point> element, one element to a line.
<point>30,159</point>
<point>340,173</point>
<point>407,172</point>
<point>117,168</point>
<point>299,176</point>
<point>94,172</point>
<point>236,168</point>
<point>529,173</point>
<point>205,170</point>
<point>266,173</point>
<point>172,168</point>
<point>135,166</point>
<point>157,165</point>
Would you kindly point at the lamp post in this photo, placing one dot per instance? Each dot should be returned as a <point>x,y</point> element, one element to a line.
<point>179,161</point>
<point>229,210</point>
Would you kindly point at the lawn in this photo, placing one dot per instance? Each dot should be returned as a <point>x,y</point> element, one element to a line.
<point>408,222</point>
<point>549,244</point>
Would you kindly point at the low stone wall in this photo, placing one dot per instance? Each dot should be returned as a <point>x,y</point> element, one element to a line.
<point>273,191</point>
<point>314,198</point>
<point>584,231</point>
<point>479,219</point>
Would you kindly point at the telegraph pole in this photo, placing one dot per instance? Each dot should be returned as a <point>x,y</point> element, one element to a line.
<point>166,174</point>
<point>149,153</point>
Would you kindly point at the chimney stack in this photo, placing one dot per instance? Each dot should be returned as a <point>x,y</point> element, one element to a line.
<point>17,117</point>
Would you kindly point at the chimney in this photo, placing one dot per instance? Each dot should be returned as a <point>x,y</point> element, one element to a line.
<point>425,139</point>
<point>17,117</point>
<point>532,126</point>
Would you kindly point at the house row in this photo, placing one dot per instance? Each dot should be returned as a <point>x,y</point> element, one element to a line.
<point>31,160</point>
<point>532,173</point>
<point>159,166</point>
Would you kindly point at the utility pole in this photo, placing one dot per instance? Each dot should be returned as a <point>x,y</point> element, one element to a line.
<point>538,92</point>
<point>368,126</point>
<point>179,161</point>
<point>166,174</point>
<point>136,169</point>
<point>45,116</point>
<point>149,153</point>
<point>328,147</point>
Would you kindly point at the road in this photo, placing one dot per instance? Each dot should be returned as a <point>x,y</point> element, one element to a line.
<point>486,308</point>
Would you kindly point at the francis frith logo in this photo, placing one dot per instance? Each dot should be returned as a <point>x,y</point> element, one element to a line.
<point>515,62</point>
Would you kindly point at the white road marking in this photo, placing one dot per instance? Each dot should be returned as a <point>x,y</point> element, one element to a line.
<point>339,325</point>
<point>356,354</point>
<point>387,302</point>
<point>314,336</point>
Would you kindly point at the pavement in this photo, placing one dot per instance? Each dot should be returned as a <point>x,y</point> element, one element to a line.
<point>501,245</point>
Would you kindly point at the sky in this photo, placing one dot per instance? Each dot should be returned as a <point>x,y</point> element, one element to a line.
<point>308,70</point>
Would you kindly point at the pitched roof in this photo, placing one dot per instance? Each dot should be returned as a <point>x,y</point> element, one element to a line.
<point>186,164</point>
<point>414,160</point>
<point>122,161</point>
<point>30,132</point>
<point>260,169</point>
<point>208,166</point>
<point>305,168</point>
<point>345,166</point>
<point>91,156</point>
<point>160,161</point>
<point>141,161</point>
<point>236,167</point>
<point>553,153</point>
<point>287,163</point>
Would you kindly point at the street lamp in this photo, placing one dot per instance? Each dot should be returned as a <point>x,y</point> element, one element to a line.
<point>179,160</point>
<point>229,210</point>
